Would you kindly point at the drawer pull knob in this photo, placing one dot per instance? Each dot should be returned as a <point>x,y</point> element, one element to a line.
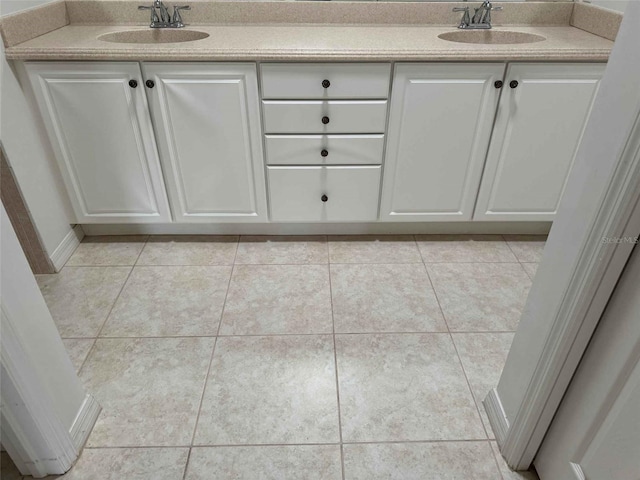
<point>324,198</point>
<point>325,120</point>
<point>498,84</point>
<point>324,153</point>
<point>513,83</point>
<point>150,83</point>
<point>326,83</point>
<point>133,83</point>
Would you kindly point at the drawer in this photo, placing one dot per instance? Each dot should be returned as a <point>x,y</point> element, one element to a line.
<point>297,194</point>
<point>325,80</point>
<point>332,116</point>
<point>324,149</point>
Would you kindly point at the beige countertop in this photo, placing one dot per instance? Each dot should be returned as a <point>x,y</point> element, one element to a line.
<point>314,42</point>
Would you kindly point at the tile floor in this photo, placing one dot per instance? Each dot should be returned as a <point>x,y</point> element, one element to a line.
<point>354,357</point>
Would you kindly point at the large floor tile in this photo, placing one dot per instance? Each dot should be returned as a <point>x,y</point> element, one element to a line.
<point>270,299</point>
<point>528,248</point>
<point>507,473</point>
<point>164,301</point>
<point>464,248</point>
<point>420,461</point>
<point>483,356</point>
<point>384,298</point>
<point>480,296</point>
<point>149,389</point>
<point>282,250</point>
<point>373,249</point>
<point>8,470</point>
<point>78,349</point>
<point>108,250</point>
<point>298,462</point>
<point>277,389</point>
<point>402,388</point>
<point>80,298</point>
<point>129,464</point>
<point>189,250</point>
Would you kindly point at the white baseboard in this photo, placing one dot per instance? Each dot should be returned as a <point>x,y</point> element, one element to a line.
<point>84,421</point>
<point>380,228</point>
<point>497,417</point>
<point>67,246</point>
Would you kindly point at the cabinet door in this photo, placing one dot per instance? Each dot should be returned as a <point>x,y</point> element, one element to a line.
<point>102,137</point>
<point>208,130</point>
<point>439,128</point>
<point>538,127</point>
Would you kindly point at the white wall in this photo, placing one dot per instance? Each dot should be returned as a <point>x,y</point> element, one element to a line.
<point>13,6</point>
<point>618,5</point>
<point>29,152</point>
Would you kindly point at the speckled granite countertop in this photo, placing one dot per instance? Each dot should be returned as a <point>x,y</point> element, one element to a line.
<point>315,42</point>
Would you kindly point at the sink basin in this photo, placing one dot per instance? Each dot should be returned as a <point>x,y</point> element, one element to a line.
<point>153,35</point>
<point>492,37</point>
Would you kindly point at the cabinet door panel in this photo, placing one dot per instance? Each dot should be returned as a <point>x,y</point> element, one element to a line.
<point>207,122</point>
<point>439,127</point>
<point>538,127</point>
<point>102,136</point>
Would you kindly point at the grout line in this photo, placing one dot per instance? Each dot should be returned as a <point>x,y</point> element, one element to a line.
<point>95,341</point>
<point>518,258</point>
<point>312,334</point>
<point>309,444</point>
<point>213,351</point>
<point>335,362</point>
<point>495,459</point>
<point>455,348</point>
<point>186,465</point>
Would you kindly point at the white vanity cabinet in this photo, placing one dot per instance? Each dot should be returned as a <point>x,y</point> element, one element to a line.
<point>98,121</point>
<point>439,128</point>
<point>183,142</point>
<point>542,114</point>
<point>207,123</point>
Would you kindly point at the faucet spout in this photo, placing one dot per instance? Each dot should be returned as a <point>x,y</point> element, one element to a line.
<point>164,11</point>
<point>481,18</point>
<point>160,16</point>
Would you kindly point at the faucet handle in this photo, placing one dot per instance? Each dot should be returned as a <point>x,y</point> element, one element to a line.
<point>177,18</point>
<point>154,14</point>
<point>496,9</point>
<point>466,18</point>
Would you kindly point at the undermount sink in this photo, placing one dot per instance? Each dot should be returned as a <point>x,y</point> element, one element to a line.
<point>153,35</point>
<point>500,37</point>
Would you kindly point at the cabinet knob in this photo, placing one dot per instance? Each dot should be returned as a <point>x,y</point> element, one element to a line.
<point>498,83</point>
<point>133,83</point>
<point>326,83</point>
<point>324,198</point>
<point>325,120</point>
<point>150,83</point>
<point>324,153</point>
<point>513,83</point>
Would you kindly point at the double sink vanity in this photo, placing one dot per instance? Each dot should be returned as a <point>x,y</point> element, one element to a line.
<point>308,112</point>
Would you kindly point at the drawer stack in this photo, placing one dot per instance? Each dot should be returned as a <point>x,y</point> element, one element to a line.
<point>324,138</point>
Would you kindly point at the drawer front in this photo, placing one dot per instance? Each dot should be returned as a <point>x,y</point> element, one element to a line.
<point>325,80</point>
<point>324,149</point>
<point>351,194</point>
<point>325,116</point>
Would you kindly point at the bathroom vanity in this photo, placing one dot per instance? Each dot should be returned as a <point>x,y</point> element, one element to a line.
<point>316,123</point>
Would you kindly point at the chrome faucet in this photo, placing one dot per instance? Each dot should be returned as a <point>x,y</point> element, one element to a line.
<point>481,19</point>
<point>160,16</point>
